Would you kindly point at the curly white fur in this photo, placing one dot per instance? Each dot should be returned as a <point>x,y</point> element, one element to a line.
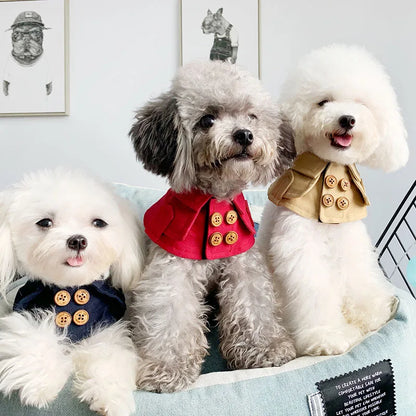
<point>31,351</point>
<point>328,274</point>
<point>353,83</point>
<point>36,359</point>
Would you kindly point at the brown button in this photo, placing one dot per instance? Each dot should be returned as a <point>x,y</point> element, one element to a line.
<point>331,181</point>
<point>343,203</point>
<point>81,296</point>
<point>215,239</point>
<point>231,217</point>
<point>231,237</point>
<point>63,319</point>
<point>81,317</point>
<point>62,298</point>
<point>344,184</point>
<point>216,219</point>
<point>328,200</point>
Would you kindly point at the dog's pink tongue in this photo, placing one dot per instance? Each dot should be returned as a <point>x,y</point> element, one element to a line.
<point>344,140</point>
<point>75,261</point>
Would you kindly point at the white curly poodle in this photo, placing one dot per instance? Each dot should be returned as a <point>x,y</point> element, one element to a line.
<point>343,111</point>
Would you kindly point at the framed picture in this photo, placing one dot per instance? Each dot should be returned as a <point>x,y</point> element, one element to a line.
<point>34,57</point>
<point>226,30</point>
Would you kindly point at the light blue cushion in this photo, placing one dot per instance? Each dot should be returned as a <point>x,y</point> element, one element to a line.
<point>411,272</point>
<point>261,392</point>
<point>276,391</point>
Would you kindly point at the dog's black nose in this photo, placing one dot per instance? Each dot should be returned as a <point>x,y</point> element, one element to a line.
<point>346,122</point>
<point>77,242</point>
<point>243,137</point>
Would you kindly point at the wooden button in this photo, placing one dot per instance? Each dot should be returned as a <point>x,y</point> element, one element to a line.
<point>62,298</point>
<point>231,237</point>
<point>328,200</point>
<point>331,181</point>
<point>81,317</point>
<point>216,219</point>
<point>63,319</point>
<point>215,239</point>
<point>81,296</point>
<point>343,203</point>
<point>344,184</point>
<point>231,217</point>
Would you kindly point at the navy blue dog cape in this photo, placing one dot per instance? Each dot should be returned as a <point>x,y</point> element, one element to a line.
<point>78,309</point>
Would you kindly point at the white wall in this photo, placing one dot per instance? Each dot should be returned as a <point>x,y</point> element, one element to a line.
<point>123,53</point>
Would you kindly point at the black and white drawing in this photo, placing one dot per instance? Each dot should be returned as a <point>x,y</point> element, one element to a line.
<point>226,30</point>
<point>225,46</point>
<point>32,57</point>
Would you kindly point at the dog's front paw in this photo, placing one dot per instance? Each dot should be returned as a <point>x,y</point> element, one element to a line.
<point>372,314</point>
<point>164,378</point>
<point>37,384</point>
<point>278,352</point>
<point>32,360</point>
<point>33,389</point>
<point>119,405</point>
<point>327,341</point>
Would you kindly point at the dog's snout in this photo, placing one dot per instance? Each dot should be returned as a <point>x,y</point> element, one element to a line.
<point>243,137</point>
<point>346,122</point>
<point>77,242</point>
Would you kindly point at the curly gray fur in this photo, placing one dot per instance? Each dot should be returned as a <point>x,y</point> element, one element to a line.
<point>169,309</point>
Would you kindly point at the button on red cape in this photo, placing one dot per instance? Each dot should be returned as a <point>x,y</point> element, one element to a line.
<point>180,224</point>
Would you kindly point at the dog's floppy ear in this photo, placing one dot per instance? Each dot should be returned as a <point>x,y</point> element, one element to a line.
<point>154,134</point>
<point>286,147</point>
<point>8,261</point>
<point>393,152</point>
<point>126,271</point>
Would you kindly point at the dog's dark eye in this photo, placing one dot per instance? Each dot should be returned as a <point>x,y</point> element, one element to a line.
<point>252,116</point>
<point>207,121</point>
<point>99,223</point>
<point>323,102</point>
<point>45,223</point>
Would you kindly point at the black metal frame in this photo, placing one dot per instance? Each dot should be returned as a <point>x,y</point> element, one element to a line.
<point>390,235</point>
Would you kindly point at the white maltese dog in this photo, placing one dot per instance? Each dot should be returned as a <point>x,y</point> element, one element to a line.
<point>215,132</point>
<point>343,111</point>
<point>80,246</point>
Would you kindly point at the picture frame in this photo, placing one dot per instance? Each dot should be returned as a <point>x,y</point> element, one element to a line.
<point>226,30</point>
<point>34,58</point>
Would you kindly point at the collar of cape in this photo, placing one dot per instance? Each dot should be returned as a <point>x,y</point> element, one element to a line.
<point>312,166</point>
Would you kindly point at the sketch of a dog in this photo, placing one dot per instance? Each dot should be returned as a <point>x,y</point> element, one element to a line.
<point>225,46</point>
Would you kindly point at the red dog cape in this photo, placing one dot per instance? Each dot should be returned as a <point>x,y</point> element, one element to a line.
<point>197,226</point>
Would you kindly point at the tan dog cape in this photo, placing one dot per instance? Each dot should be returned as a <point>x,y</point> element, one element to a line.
<point>321,190</point>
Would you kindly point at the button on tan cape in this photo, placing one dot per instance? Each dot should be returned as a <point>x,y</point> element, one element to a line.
<point>304,189</point>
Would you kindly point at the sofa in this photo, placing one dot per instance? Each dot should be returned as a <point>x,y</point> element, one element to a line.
<point>376,377</point>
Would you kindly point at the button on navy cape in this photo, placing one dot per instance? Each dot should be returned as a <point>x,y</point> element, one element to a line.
<point>105,307</point>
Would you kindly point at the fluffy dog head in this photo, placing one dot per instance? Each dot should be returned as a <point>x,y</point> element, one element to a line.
<point>343,108</point>
<point>68,229</point>
<point>216,130</point>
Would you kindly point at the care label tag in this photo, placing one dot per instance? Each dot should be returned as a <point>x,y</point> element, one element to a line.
<point>365,392</point>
